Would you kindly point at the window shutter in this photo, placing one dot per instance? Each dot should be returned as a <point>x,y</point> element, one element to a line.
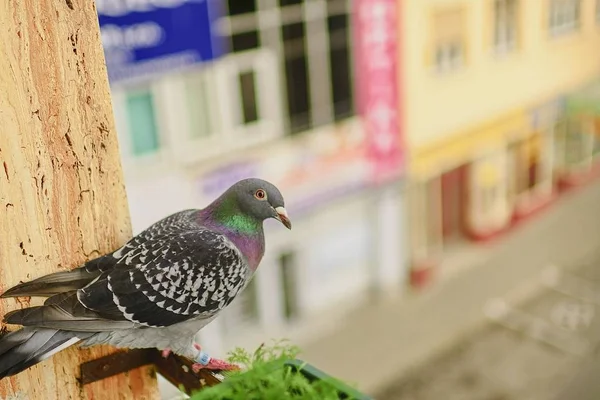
<point>449,25</point>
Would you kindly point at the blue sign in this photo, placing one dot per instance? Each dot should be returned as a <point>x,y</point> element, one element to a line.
<point>145,38</point>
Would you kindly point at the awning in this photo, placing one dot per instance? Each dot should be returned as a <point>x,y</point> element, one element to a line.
<point>446,154</point>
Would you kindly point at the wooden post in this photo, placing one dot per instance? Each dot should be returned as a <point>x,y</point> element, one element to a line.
<point>62,198</point>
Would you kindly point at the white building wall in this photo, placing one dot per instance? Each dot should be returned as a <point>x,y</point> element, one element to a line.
<point>152,199</point>
<point>336,246</point>
<point>391,246</point>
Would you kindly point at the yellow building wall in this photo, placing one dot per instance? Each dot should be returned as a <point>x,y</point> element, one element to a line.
<point>437,107</point>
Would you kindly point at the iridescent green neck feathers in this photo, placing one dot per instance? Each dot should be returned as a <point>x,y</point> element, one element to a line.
<point>228,213</point>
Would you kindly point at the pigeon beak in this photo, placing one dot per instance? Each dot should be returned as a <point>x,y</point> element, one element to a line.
<point>282,217</point>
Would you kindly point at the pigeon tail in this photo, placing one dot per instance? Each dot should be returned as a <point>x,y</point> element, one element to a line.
<point>28,346</point>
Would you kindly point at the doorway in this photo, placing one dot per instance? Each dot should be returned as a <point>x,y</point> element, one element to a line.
<point>453,204</point>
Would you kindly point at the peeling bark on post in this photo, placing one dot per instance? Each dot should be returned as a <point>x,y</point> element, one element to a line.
<point>62,198</point>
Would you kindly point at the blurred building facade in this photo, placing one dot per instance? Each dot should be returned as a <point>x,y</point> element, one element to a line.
<point>495,104</point>
<point>500,112</point>
<point>281,105</point>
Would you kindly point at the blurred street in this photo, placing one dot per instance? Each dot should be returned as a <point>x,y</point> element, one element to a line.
<point>533,335</point>
<point>529,354</point>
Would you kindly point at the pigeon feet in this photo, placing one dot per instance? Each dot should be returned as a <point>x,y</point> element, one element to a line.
<point>215,365</point>
<point>166,352</point>
<point>210,363</point>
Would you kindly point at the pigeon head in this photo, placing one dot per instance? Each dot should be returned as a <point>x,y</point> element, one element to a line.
<point>251,200</point>
<point>260,199</point>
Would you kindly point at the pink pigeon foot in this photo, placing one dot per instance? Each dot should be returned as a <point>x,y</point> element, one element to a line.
<point>213,364</point>
<point>166,352</point>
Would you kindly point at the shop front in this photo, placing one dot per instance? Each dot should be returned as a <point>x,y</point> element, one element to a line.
<point>460,190</point>
<point>532,160</point>
<point>478,183</point>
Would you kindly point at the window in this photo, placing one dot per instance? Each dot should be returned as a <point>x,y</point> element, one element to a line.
<point>560,133</point>
<point>247,85</point>
<point>249,102</point>
<point>237,7</point>
<point>296,76</point>
<point>449,40</point>
<point>289,2</point>
<point>197,103</point>
<point>244,41</point>
<point>596,146</point>
<point>505,25</point>
<point>243,310</point>
<point>339,64</point>
<point>142,123</point>
<point>311,42</point>
<point>249,301</point>
<point>198,97</point>
<point>288,285</point>
<point>448,56</point>
<point>575,153</point>
<point>565,16</point>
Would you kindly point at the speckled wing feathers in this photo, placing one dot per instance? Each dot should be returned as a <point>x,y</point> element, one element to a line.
<point>170,280</point>
<point>174,271</point>
<point>77,278</point>
<point>182,221</point>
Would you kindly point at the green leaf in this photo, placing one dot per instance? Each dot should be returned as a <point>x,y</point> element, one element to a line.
<point>265,376</point>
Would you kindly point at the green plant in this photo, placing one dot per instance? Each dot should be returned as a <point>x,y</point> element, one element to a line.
<point>267,374</point>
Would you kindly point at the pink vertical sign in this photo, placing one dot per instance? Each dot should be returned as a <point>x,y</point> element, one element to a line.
<point>376,34</point>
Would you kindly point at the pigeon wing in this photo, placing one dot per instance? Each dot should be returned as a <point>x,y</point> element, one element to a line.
<point>161,282</point>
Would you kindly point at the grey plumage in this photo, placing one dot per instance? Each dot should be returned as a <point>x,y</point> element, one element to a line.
<point>21,349</point>
<point>157,290</point>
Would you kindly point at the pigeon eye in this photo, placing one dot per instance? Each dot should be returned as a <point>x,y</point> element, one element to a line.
<point>260,194</point>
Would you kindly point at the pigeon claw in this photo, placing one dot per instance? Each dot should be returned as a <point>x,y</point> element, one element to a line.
<point>166,352</point>
<point>210,363</point>
<point>215,365</point>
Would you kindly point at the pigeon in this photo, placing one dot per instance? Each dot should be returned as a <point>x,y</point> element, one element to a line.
<point>156,291</point>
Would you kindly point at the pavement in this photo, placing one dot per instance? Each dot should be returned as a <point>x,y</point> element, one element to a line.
<point>543,348</point>
<point>380,345</point>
